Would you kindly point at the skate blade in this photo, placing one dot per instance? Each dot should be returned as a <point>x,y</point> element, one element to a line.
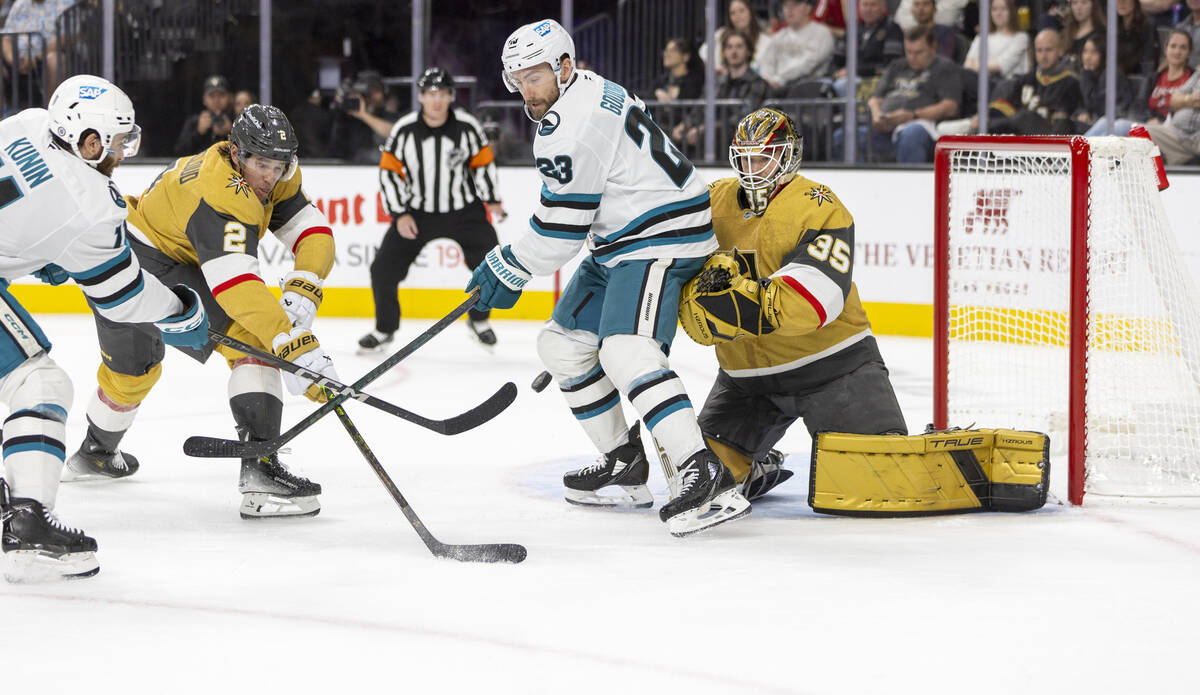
<point>491,349</point>
<point>264,505</point>
<point>38,566</point>
<point>364,352</point>
<point>70,475</point>
<point>635,496</point>
<point>727,506</point>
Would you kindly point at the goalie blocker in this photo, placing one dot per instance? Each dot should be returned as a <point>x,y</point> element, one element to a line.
<point>941,472</point>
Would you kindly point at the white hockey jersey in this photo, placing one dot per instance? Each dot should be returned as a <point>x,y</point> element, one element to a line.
<point>54,208</point>
<point>612,178</point>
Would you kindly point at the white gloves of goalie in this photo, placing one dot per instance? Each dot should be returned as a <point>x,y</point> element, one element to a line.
<point>301,297</point>
<point>300,347</point>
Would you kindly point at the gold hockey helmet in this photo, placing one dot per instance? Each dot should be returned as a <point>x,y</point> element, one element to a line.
<point>765,153</point>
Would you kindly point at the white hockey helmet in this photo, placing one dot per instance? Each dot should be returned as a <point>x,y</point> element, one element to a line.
<point>544,41</point>
<point>86,102</point>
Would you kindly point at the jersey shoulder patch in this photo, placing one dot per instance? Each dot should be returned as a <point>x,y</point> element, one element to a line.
<point>224,190</point>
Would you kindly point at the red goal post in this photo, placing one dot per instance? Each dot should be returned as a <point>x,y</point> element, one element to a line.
<point>1061,305</point>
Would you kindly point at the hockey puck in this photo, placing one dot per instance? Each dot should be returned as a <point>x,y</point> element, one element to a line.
<point>540,382</point>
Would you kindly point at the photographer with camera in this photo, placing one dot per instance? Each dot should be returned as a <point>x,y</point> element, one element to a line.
<point>211,125</point>
<point>361,121</point>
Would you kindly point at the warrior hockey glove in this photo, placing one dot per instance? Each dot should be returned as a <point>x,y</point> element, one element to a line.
<point>500,279</point>
<point>51,274</point>
<point>721,304</point>
<point>301,297</point>
<point>189,327</point>
<point>300,347</point>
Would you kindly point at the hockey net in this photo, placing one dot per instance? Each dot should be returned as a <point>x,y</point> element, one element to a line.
<point>1103,355</point>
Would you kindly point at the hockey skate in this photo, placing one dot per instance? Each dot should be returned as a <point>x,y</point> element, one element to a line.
<point>374,342</point>
<point>708,496</point>
<point>482,332</point>
<point>624,467</point>
<point>39,547</point>
<point>765,474</point>
<point>270,490</point>
<point>93,462</point>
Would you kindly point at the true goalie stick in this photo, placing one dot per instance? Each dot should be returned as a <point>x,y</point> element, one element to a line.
<point>486,552</point>
<point>212,447</point>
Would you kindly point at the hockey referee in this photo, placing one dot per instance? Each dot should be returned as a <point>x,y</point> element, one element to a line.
<point>438,177</point>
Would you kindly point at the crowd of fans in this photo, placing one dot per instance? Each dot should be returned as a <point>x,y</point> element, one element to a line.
<point>918,71</point>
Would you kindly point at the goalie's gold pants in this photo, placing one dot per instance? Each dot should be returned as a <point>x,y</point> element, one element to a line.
<point>744,417</point>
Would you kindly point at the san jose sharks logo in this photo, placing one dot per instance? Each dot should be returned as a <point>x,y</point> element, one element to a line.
<point>239,185</point>
<point>821,194</point>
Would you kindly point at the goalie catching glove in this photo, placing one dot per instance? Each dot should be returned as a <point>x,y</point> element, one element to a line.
<point>722,303</point>
<point>301,297</point>
<point>300,347</point>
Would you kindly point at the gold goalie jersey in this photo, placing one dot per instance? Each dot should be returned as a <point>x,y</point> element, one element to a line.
<point>805,243</point>
<point>202,213</point>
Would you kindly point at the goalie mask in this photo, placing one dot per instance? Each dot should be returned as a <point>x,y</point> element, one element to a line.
<point>765,154</point>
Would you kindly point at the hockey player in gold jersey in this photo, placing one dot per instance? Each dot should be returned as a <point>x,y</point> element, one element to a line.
<point>778,302</point>
<point>199,223</point>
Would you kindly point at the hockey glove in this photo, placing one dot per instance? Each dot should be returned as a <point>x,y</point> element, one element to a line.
<point>51,274</point>
<point>499,278</point>
<point>301,297</point>
<point>721,304</point>
<point>300,347</point>
<point>189,327</point>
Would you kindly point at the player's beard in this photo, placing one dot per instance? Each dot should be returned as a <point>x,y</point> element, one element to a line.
<point>107,165</point>
<point>543,106</point>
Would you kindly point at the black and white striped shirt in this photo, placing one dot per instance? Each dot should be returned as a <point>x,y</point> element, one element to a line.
<point>436,169</point>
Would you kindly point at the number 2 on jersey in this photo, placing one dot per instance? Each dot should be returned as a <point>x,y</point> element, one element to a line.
<point>235,237</point>
<point>662,151</point>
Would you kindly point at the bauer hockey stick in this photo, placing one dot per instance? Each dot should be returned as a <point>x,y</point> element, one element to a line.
<point>486,552</point>
<point>336,388</point>
<point>212,447</point>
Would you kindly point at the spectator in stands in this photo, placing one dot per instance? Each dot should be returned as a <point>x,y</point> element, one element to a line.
<point>947,39</point>
<point>34,16</point>
<point>1191,24</point>
<point>1008,46</point>
<point>949,13</point>
<point>1174,74</point>
<point>1084,19</point>
<point>880,42</point>
<point>831,13</point>
<point>200,131</point>
<point>360,123</point>
<point>1179,137</point>
<point>1090,117</point>
<point>1040,102</point>
<point>801,50</point>
<point>914,92</point>
<point>1137,40</point>
<point>740,18</point>
<point>242,99</point>
<point>1159,12</point>
<point>740,81</point>
<point>684,73</point>
<point>311,121</point>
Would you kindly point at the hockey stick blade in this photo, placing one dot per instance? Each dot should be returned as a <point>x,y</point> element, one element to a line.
<point>213,447</point>
<point>488,552</point>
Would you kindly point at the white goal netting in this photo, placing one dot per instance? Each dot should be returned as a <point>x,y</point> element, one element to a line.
<point>1008,291</point>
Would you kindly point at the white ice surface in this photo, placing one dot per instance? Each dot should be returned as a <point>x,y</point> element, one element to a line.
<point>190,598</point>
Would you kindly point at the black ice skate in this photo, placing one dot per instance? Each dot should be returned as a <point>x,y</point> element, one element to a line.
<point>374,342</point>
<point>707,496</point>
<point>765,474</point>
<point>39,547</point>
<point>271,490</point>
<point>94,462</point>
<point>624,467</point>
<point>482,332</point>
